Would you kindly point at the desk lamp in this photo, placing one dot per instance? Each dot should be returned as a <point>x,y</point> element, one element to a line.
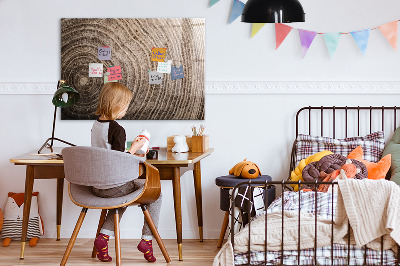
<point>273,11</point>
<point>64,96</point>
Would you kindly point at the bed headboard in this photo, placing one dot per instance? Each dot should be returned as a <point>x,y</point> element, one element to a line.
<point>344,121</point>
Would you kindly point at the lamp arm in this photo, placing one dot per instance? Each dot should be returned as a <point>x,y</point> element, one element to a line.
<point>54,126</point>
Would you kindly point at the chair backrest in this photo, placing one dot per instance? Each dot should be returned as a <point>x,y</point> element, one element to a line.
<point>92,166</point>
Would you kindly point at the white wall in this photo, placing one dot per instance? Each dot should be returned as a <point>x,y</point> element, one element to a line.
<point>259,127</point>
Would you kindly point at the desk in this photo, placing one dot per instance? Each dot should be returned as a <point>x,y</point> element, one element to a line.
<point>169,165</point>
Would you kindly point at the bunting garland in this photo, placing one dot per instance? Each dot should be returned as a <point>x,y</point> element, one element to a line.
<point>237,9</point>
<point>389,30</point>
<point>281,31</point>
<point>213,2</point>
<point>306,39</point>
<point>256,28</point>
<point>332,41</point>
<point>361,37</point>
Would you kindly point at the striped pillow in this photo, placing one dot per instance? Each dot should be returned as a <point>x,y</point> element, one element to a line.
<point>372,145</point>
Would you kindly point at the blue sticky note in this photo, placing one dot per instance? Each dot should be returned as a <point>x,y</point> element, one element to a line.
<point>177,73</point>
<point>104,53</point>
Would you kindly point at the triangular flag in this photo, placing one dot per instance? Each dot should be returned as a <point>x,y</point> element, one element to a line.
<point>361,37</point>
<point>281,31</point>
<point>213,2</point>
<point>306,39</point>
<point>255,28</point>
<point>390,32</point>
<point>332,41</point>
<point>237,9</point>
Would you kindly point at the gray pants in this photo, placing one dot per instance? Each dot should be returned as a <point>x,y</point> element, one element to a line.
<point>154,208</point>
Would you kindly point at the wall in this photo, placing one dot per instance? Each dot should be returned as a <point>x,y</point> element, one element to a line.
<point>254,126</point>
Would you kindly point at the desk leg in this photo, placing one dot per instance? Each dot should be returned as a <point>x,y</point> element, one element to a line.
<point>176,182</point>
<point>199,204</point>
<point>60,190</point>
<point>27,206</point>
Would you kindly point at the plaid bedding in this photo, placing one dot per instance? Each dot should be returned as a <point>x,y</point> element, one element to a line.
<point>323,207</point>
<point>324,257</point>
<point>372,145</point>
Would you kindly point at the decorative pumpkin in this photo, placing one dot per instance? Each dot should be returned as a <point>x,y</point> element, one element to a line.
<point>245,169</point>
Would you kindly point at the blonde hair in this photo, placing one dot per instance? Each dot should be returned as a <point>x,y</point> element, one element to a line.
<point>113,98</point>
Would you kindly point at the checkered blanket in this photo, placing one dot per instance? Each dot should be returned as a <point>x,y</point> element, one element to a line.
<point>324,206</point>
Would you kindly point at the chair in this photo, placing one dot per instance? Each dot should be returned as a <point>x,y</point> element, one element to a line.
<point>85,167</point>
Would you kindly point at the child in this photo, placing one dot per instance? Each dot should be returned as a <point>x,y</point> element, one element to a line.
<point>107,133</point>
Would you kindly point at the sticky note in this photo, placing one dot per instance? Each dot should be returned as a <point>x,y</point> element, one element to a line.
<point>155,77</point>
<point>164,67</point>
<point>158,54</point>
<point>104,53</point>
<point>115,73</point>
<point>177,73</point>
<point>106,74</point>
<point>95,70</point>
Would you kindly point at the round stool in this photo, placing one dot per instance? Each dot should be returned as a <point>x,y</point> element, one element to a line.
<point>226,183</point>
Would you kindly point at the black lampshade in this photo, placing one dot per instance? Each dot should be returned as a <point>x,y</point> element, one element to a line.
<point>65,96</point>
<point>273,11</point>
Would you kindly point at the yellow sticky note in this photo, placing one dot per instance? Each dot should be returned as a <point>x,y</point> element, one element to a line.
<point>158,54</point>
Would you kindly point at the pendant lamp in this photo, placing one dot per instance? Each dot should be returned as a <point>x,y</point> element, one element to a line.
<point>63,97</point>
<point>273,11</point>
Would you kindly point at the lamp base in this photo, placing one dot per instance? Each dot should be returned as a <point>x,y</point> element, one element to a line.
<point>50,146</point>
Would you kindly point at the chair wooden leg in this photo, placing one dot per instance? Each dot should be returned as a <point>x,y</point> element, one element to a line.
<point>154,230</point>
<point>223,229</point>
<point>101,222</point>
<point>73,237</point>
<point>117,238</point>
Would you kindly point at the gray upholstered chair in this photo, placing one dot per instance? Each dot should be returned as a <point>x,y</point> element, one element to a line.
<point>85,167</point>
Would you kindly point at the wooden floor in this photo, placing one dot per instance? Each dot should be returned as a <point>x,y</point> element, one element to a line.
<point>50,252</point>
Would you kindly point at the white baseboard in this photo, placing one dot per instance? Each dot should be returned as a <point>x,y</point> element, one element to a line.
<point>247,87</point>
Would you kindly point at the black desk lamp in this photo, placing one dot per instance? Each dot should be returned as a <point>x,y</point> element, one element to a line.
<point>273,11</point>
<point>64,96</point>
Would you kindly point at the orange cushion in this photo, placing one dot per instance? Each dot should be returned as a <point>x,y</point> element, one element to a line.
<point>375,170</point>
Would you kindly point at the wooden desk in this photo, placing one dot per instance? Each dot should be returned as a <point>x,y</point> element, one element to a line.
<point>168,163</point>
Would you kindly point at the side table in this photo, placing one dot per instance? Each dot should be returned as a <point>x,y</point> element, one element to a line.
<point>226,183</point>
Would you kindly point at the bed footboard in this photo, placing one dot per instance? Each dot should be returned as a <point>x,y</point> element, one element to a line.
<point>312,259</point>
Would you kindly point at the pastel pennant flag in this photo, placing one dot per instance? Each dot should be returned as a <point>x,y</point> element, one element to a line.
<point>213,2</point>
<point>389,30</point>
<point>281,31</point>
<point>361,37</point>
<point>332,41</point>
<point>237,9</point>
<point>306,39</point>
<point>256,28</point>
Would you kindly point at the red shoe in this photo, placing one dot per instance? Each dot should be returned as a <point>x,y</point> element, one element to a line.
<point>146,247</point>
<point>101,245</point>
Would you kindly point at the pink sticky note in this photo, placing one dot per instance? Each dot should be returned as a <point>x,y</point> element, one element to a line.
<point>115,73</point>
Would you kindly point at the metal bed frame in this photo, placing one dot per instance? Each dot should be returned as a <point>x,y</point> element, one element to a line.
<point>284,183</point>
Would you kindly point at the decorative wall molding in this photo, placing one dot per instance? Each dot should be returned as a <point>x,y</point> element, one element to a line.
<point>28,88</point>
<point>249,87</point>
<point>303,87</point>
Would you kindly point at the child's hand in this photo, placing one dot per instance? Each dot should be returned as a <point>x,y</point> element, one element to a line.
<point>137,144</point>
<point>143,155</point>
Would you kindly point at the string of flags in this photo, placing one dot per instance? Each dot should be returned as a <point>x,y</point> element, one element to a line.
<point>361,37</point>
